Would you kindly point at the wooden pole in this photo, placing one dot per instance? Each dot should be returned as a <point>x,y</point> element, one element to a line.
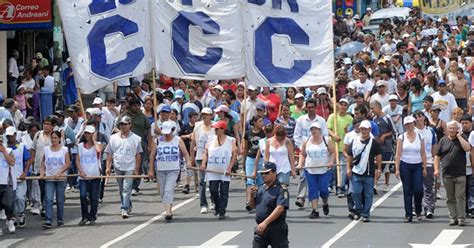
<point>222,172</point>
<point>244,127</point>
<point>155,114</point>
<point>81,104</point>
<point>75,175</point>
<point>338,168</point>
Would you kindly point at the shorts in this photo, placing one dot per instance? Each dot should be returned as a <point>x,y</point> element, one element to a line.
<point>284,178</point>
<point>249,167</point>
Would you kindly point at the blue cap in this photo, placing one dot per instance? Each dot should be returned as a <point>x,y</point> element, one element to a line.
<point>267,167</point>
<point>441,81</point>
<point>260,106</point>
<point>165,109</point>
<point>178,94</point>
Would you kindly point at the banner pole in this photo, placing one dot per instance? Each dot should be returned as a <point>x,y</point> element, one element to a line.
<point>81,104</point>
<point>244,125</point>
<point>155,114</point>
<point>334,102</point>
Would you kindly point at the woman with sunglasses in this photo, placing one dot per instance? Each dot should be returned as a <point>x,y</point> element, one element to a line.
<point>279,149</point>
<point>55,163</point>
<point>219,157</point>
<point>165,155</point>
<point>317,151</point>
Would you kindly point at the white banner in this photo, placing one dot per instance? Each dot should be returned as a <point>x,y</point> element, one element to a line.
<point>107,40</point>
<point>200,39</point>
<point>288,43</point>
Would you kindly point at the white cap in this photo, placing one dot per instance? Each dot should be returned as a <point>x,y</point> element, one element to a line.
<point>347,61</point>
<point>97,100</point>
<point>10,131</point>
<point>218,87</point>
<point>380,83</point>
<point>408,119</point>
<point>222,108</point>
<point>393,97</point>
<point>431,69</point>
<point>369,9</point>
<point>252,88</point>
<point>365,124</point>
<point>356,16</point>
<point>387,58</point>
<point>167,127</point>
<point>316,125</point>
<point>352,85</point>
<point>405,35</point>
<point>299,95</point>
<point>94,111</point>
<point>206,111</point>
<point>89,129</point>
<point>344,100</point>
<point>322,90</point>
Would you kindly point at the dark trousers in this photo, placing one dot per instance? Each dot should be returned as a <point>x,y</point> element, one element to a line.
<point>102,182</point>
<point>412,180</point>
<point>6,199</point>
<point>89,188</point>
<point>72,181</point>
<point>220,195</point>
<point>276,236</point>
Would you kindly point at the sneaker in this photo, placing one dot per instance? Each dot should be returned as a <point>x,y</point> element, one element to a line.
<point>83,222</point>
<point>453,222</point>
<point>211,206</point>
<point>3,216</point>
<point>375,191</point>
<point>314,214</point>
<point>186,189</point>
<point>429,215</point>
<point>356,217</point>
<point>438,196</point>
<point>408,219</point>
<point>461,222</point>
<point>221,216</point>
<point>21,220</point>
<point>60,224</point>
<point>124,214</point>
<point>299,202</point>
<point>341,195</point>
<point>155,180</point>
<point>134,192</point>
<point>248,207</point>
<point>92,223</point>
<point>350,216</point>
<point>331,190</point>
<point>75,190</point>
<point>168,217</point>
<point>47,225</point>
<point>326,209</point>
<point>203,210</point>
<point>365,219</point>
<point>11,227</point>
<point>68,188</point>
<point>418,217</point>
<point>385,188</point>
<point>35,211</point>
<point>15,223</point>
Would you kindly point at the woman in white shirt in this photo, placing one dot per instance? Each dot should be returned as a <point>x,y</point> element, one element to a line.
<point>279,150</point>
<point>410,166</point>
<point>55,164</point>
<point>88,163</point>
<point>317,151</point>
<point>165,153</point>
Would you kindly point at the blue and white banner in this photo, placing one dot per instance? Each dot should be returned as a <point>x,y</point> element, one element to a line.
<point>200,39</point>
<point>288,43</point>
<point>107,40</point>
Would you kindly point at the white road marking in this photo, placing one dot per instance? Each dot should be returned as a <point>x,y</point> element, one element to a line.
<point>445,239</point>
<point>218,241</point>
<point>353,223</point>
<point>8,242</point>
<point>140,227</point>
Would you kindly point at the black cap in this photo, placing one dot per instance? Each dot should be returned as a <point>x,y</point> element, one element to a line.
<point>267,167</point>
<point>59,113</point>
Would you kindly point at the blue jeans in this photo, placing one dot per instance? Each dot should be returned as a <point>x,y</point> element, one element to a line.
<point>469,193</point>
<point>284,178</point>
<point>362,194</point>
<point>89,188</point>
<point>20,197</point>
<point>202,186</point>
<point>122,91</point>
<point>412,180</point>
<point>317,185</point>
<point>52,187</point>
<point>249,166</point>
<point>125,189</point>
<point>12,87</point>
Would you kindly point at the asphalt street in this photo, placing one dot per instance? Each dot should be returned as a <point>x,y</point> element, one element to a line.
<point>147,228</point>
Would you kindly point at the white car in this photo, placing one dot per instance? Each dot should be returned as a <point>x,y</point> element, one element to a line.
<point>378,17</point>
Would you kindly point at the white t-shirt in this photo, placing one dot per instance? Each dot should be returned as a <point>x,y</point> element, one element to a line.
<point>383,100</point>
<point>54,160</point>
<point>202,137</point>
<point>302,128</point>
<point>89,159</point>
<point>123,82</point>
<point>447,103</point>
<point>49,83</point>
<point>124,150</point>
<point>393,113</point>
<point>468,160</point>
<point>367,86</point>
<point>13,67</point>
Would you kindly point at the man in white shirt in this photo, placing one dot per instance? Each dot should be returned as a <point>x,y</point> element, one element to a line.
<point>13,73</point>
<point>48,79</point>
<point>445,101</point>
<point>124,150</point>
<point>381,96</point>
<point>250,104</point>
<point>363,84</point>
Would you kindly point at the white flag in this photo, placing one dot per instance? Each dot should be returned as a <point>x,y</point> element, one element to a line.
<point>107,40</point>
<point>288,43</point>
<point>199,39</point>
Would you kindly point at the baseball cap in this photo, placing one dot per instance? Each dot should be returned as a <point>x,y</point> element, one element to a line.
<point>347,61</point>
<point>167,127</point>
<point>369,9</point>
<point>220,124</point>
<point>321,91</point>
<point>435,107</point>
<point>381,61</point>
<point>68,60</point>
<point>252,88</point>
<point>166,109</point>
<point>178,94</point>
<point>380,83</point>
<point>299,95</point>
<point>441,82</point>
<point>408,119</point>
<point>10,131</point>
<point>393,97</point>
<point>222,108</point>
<point>428,98</point>
<point>206,111</point>
<point>59,113</point>
<point>315,125</point>
<point>97,100</point>
<point>73,108</point>
<point>89,129</point>
<point>405,35</point>
<point>125,119</point>
<point>260,106</point>
<point>94,111</point>
<point>431,69</point>
<point>135,83</point>
<point>218,87</point>
<point>344,100</point>
<point>365,124</point>
<point>267,167</point>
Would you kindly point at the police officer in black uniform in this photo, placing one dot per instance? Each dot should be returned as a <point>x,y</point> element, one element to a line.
<point>272,202</point>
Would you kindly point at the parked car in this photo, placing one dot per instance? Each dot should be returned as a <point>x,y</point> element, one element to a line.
<point>393,14</point>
